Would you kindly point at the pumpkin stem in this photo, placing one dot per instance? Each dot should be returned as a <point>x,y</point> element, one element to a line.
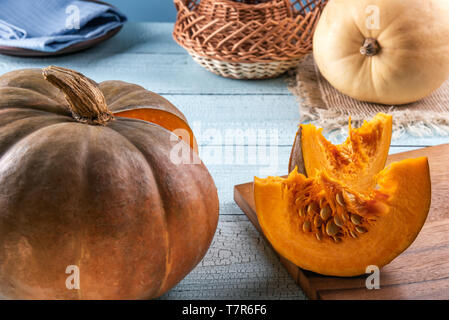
<point>370,47</point>
<point>85,99</point>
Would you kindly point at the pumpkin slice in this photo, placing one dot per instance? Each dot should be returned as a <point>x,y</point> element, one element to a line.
<point>323,225</point>
<point>356,161</point>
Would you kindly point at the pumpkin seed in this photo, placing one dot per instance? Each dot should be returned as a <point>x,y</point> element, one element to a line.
<point>331,228</point>
<point>336,239</point>
<point>360,229</point>
<point>344,217</point>
<point>297,201</point>
<point>322,202</point>
<point>302,212</point>
<point>325,212</point>
<point>318,236</point>
<point>317,221</point>
<point>338,221</point>
<point>350,196</point>
<point>356,219</point>
<point>353,234</point>
<point>313,207</point>
<point>306,226</point>
<point>340,200</point>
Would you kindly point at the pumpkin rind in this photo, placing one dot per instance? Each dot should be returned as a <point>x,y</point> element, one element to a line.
<point>413,59</point>
<point>107,199</point>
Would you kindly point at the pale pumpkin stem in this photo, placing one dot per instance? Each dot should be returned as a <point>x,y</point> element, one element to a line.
<point>370,47</point>
<point>86,101</point>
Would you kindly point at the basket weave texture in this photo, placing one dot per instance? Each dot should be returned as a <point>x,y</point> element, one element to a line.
<point>247,39</point>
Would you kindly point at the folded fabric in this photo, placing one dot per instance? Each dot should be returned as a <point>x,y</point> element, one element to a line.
<point>51,25</point>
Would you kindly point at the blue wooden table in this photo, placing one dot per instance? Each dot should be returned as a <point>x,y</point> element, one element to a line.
<point>239,264</point>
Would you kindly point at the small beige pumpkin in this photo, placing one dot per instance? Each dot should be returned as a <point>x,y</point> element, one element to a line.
<point>384,51</point>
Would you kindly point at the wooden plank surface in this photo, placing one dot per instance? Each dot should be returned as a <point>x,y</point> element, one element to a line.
<point>421,272</point>
<point>240,263</point>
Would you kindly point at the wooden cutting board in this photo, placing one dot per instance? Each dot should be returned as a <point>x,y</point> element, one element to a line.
<point>421,272</point>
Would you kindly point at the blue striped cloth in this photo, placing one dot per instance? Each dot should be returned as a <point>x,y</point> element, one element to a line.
<point>51,25</point>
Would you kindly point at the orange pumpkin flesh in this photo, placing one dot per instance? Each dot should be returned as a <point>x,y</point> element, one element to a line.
<point>390,216</point>
<point>362,155</point>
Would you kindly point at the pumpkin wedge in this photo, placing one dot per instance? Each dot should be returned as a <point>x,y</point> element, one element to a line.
<point>356,161</point>
<point>323,225</point>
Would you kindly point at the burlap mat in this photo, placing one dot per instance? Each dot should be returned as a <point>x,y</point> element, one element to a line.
<point>323,105</point>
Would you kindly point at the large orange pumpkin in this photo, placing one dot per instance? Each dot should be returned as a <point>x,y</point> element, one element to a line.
<point>84,184</point>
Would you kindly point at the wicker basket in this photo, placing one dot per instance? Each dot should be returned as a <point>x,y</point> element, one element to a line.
<point>247,39</point>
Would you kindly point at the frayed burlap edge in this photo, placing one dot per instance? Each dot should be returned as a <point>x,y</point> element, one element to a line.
<point>305,84</point>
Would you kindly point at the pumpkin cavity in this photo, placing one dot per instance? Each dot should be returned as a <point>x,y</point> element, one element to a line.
<point>328,210</point>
